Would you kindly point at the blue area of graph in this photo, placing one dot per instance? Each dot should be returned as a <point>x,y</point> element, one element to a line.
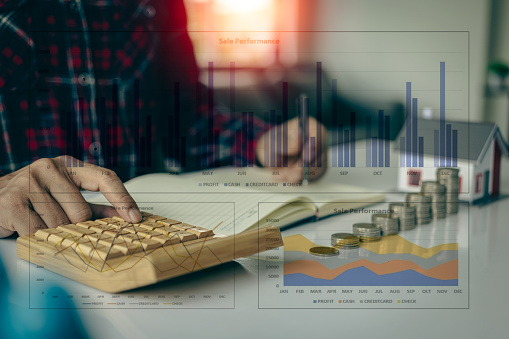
<point>361,276</point>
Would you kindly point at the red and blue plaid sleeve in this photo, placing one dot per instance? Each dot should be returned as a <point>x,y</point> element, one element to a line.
<point>113,83</point>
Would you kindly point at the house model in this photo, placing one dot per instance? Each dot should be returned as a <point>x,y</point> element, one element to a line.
<point>474,148</point>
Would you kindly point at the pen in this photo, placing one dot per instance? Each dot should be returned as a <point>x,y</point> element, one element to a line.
<point>303,104</point>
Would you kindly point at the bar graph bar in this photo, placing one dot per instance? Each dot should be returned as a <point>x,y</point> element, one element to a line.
<point>319,110</point>
<point>374,143</point>
<point>340,146</point>
<point>346,148</point>
<point>352,139</point>
<point>273,139</point>
<point>345,138</point>
<point>232,101</point>
<point>378,150</point>
<point>408,123</point>
<point>412,148</point>
<point>136,124</point>
<point>266,141</point>
<point>250,128</point>
<point>200,160</point>
<point>101,113</point>
<point>148,148</point>
<point>335,127</point>
<point>445,138</point>
<point>115,123</point>
<point>210,92</point>
<point>175,130</point>
<point>207,140</point>
<point>380,138</point>
<point>368,141</point>
<point>387,141</point>
<point>442,113</point>
<point>279,134</point>
<point>414,132</point>
<point>285,118</point>
<point>312,146</point>
<point>448,145</point>
<point>454,148</point>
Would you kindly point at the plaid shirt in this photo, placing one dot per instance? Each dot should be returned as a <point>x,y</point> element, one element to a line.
<point>111,82</point>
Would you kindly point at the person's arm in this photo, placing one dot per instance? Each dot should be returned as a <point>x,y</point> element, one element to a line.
<point>242,142</point>
<point>47,194</point>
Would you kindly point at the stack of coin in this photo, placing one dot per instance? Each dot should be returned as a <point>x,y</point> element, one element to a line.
<point>324,251</point>
<point>344,240</point>
<point>436,191</point>
<point>449,177</point>
<point>388,223</point>
<point>367,232</point>
<point>422,206</point>
<point>405,213</point>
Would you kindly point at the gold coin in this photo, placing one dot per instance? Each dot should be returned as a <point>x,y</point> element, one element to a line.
<point>346,246</point>
<point>324,251</point>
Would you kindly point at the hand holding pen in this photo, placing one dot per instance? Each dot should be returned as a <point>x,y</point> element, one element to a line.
<point>305,157</point>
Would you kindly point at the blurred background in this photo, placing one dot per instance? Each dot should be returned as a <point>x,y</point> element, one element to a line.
<point>483,19</point>
<point>258,80</point>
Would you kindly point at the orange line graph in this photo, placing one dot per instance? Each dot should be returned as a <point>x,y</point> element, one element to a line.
<point>445,271</point>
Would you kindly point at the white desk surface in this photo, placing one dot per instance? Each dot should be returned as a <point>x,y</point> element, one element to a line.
<point>486,317</point>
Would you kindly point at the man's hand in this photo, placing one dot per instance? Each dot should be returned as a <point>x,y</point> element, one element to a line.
<point>47,194</point>
<point>294,155</point>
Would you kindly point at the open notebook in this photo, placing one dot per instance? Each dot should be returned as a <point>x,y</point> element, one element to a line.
<point>237,206</point>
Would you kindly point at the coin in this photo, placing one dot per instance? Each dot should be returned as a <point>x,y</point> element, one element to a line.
<point>422,205</point>
<point>449,177</point>
<point>370,239</point>
<point>344,240</point>
<point>405,213</point>
<point>324,251</point>
<point>437,192</point>
<point>367,231</point>
<point>388,223</point>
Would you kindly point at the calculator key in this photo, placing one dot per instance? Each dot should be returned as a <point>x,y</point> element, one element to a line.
<point>165,240</point>
<point>186,236</point>
<point>200,232</point>
<point>128,248</point>
<point>133,237</point>
<point>106,221</point>
<point>87,224</point>
<point>150,244</point>
<point>167,229</point>
<point>45,233</point>
<point>102,228</point>
<point>154,217</point>
<point>183,226</point>
<point>169,222</point>
<point>75,230</point>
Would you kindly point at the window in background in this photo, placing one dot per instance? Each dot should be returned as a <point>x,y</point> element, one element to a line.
<point>478,183</point>
<point>415,178</point>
